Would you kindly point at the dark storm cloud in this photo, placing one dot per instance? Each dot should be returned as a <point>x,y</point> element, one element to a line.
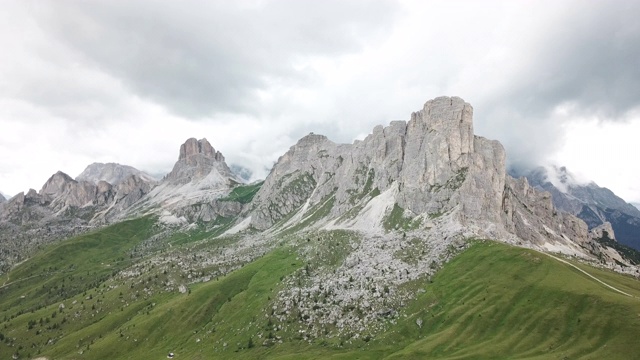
<point>200,57</point>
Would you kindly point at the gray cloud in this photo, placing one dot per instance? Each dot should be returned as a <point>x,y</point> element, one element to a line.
<point>586,62</point>
<point>199,57</point>
<point>590,59</point>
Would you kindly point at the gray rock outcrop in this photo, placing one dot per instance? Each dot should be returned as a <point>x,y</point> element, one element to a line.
<point>603,231</point>
<point>434,160</point>
<point>62,192</point>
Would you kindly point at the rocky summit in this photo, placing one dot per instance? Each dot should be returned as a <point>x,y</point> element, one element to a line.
<point>191,191</point>
<point>62,208</point>
<point>112,173</point>
<point>198,160</point>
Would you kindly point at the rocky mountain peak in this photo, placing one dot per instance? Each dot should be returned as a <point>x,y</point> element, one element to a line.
<point>112,173</point>
<point>56,184</point>
<point>197,180</point>
<point>311,138</point>
<point>197,160</point>
<point>451,116</point>
<point>422,163</point>
<point>2,198</point>
<point>193,147</point>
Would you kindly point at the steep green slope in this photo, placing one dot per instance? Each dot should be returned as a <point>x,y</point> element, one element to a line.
<point>65,269</point>
<point>491,301</point>
<point>495,301</point>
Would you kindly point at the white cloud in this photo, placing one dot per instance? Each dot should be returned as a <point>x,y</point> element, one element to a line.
<point>604,152</point>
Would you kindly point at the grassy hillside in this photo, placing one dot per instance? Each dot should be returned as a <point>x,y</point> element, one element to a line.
<point>491,301</point>
<point>496,301</point>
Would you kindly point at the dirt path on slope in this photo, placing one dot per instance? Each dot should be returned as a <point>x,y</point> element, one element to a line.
<point>591,276</point>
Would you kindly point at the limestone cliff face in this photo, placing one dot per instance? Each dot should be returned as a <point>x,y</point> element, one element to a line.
<point>63,199</point>
<point>530,214</point>
<point>434,161</point>
<point>61,193</point>
<point>431,167</point>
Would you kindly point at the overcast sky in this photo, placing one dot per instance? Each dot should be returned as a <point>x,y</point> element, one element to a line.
<point>129,81</point>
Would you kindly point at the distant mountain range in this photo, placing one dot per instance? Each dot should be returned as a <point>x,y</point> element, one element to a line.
<point>590,202</point>
<point>107,193</point>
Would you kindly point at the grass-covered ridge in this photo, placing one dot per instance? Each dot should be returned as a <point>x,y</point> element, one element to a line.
<point>491,301</point>
<point>495,301</point>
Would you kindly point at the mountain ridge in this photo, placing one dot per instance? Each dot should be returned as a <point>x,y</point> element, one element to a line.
<point>432,171</point>
<point>342,247</point>
<point>593,204</point>
<point>430,174</point>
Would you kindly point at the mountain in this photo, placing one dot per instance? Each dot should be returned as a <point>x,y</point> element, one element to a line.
<point>590,202</point>
<point>199,188</point>
<point>2,198</point>
<point>396,246</point>
<point>63,207</point>
<point>430,174</point>
<point>112,173</point>
<point>196,187</point>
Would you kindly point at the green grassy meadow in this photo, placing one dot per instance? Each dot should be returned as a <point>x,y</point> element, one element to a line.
<point>492,301</point>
